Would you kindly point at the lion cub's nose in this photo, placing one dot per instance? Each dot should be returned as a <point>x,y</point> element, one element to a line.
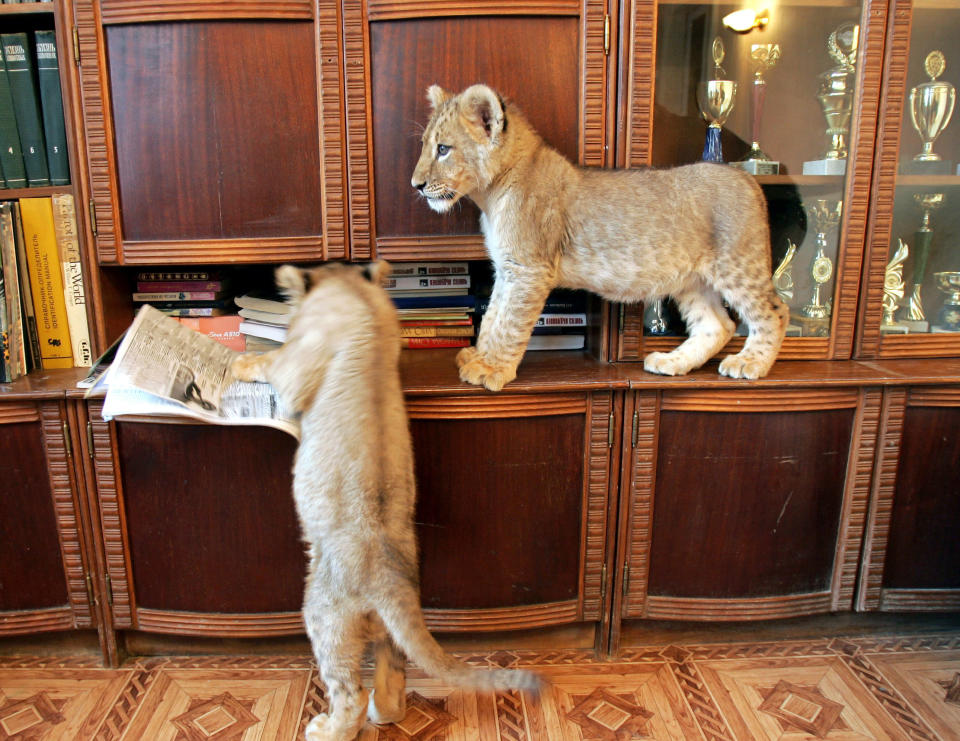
<point>418,186</point>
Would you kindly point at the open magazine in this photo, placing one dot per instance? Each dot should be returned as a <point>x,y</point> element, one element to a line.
<point>163,368</point>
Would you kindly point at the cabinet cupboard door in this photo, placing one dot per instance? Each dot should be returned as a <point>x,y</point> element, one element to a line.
<point>512,508</point>
<point>213,130</point>
<point>200,533</point>
<point>43,569</point>
<point>746,506</point>
<point>912,553</point>
<point>548,57</point>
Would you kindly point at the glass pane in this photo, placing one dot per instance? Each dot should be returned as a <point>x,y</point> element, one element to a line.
<point>773,94</point>
<point>922,282</point>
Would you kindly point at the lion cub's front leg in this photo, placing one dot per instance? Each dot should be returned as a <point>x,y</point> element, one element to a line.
<point>253,366</point>
<point>515,305</point>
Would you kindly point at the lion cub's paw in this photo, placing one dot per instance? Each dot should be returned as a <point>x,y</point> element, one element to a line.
<point>383,712</point>
<point>744,366</point>
<point>318,729</point>
<point>466,355</point>
<point>481,373</point>
<point>247,367</point>
<point>666,364</point>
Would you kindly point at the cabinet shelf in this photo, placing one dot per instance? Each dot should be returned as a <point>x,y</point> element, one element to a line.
<point>27,9</point>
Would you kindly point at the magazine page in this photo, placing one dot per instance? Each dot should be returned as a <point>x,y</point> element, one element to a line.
<point>165,368</point>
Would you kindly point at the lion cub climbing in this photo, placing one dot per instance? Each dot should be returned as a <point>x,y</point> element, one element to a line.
<point>697,233</point>
<point>353,484</point>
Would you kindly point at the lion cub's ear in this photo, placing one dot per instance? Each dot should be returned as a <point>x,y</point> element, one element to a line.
<point>291,282</point>
<point>437,96</point>
<point>482,111</point>
<point>377,271</point>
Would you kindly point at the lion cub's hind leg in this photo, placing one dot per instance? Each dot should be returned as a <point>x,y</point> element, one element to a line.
<point>388,701</point>
<point>708,330</point>
<point>766,316</point>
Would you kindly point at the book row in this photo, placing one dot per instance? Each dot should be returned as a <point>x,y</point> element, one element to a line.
<point>33,142</point>
<point>43,318</point>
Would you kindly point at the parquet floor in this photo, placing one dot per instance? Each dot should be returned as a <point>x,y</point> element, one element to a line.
<point>896,687</point>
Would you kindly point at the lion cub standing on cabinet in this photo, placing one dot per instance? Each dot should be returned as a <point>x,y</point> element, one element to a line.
<point>353,484</point>
<point>697,233</point>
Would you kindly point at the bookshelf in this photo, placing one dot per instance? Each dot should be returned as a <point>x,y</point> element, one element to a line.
<point>584,468</point>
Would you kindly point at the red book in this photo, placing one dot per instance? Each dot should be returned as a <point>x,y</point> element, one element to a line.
<point>431,342</point>
<point>224,329</point>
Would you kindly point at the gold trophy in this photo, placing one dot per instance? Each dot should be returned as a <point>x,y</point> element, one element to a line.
<point>716,98</point>
<point>923,237</point>
<point>931,106</point>
<point>826,216</point>
<point>949,316</point>
<point>894,289</point>
<point>836,100</point>
<point>764,58</point>
<point>783,275</point>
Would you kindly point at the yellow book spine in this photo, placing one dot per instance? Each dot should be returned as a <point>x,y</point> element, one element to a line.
<point>46,282</point>
<point>68,243</point>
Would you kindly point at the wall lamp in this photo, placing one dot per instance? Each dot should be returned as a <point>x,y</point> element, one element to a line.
<point>746,20</point>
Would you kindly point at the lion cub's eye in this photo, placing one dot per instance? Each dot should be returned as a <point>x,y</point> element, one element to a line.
<point>442,150</point>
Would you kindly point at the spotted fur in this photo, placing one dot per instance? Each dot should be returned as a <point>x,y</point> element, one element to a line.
<point>353,485</point>
<point>697,233</point>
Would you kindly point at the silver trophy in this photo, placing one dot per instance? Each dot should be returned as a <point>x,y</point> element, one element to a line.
<point>931,106</point>
<point>826,217</point>
<point>835,94</point>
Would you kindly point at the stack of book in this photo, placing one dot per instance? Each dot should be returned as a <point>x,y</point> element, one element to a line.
<point>264,318</point>
<point>33,142</point>
<point>43,316</point>
<point>184,293</point>
<point>561,326</point>
<point>434,303</point>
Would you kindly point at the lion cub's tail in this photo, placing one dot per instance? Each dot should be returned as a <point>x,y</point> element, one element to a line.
<point>403,618</point>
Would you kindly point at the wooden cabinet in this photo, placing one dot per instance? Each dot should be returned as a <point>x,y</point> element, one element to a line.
<point>44,568</point>
<point>911,557</point>
<point>744,505</point>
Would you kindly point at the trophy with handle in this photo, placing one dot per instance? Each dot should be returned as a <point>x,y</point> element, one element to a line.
<point>835,95</point>
<point>764,57</point>
<point>716,98</point>
<point>949,316</point>
<point>931,106</point>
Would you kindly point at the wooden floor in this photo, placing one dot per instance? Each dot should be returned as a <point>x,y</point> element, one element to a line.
<point>876,687</point>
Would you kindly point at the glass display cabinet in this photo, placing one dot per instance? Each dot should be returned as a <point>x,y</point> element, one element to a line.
<point>789,95</point>
<point>911,305</point>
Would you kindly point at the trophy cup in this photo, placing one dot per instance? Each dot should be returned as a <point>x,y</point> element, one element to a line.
<point>836,100</point>
<point>826,216</point>
<point>923,237</point>
<point>764,58</point>
<point>716,98</point>
<point>894,289</point>
<point>949,316</point>
<point>931,106</point>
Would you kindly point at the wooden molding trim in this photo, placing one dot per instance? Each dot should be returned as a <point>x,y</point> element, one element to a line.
<point>909,600</point>
<point>145,11</point>
<point>593,80</point>
<point>596,487</point>
<point>794,348</point>
<point>758,608</point>
<point>780,400</point>
<point>204,251</point>
<point>504,618</point>
<point>14,413</point>
<point>494,407</point>
<point>113,526</point>
<point>638,145</point>
<point>945,344</point>
<point>66,509</point>
<point>639,514</point>
<point>36,621</point>
<point>232,625</point>
<point>934,396</point>
<point>330,108</point>
<point>856,497</point>
<point>459,247</point>
<point>880,505</point>
<point>382,10</point>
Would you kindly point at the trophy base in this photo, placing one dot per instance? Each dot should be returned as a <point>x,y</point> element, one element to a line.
<point>916,325</point>
<point>948,318</point>
<point>758,167</point>
<point>813,326</point>
<point>926,167</point>
<point>794,330</point>
<point>825,167</point>
<point>895,328</point>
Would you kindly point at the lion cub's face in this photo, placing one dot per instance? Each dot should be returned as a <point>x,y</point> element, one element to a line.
<point>458,145</point>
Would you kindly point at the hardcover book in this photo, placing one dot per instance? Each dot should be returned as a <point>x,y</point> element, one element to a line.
<point>68,243</point>
<point>51,105</point>
<point>11,156</point>
<point>26,107</point>
<point>11,273</point>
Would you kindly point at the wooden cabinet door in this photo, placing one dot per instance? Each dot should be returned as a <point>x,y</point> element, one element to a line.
<point>745,505</point>
<point>200,533</point>
<point>512,508</point>
<point>43,565</point>
<point>547,56</point>
<point>911,555</point>
<point>213,130</point>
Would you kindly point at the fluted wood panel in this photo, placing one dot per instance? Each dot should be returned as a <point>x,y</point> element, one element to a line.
<point>142,11</point>
<point>597,444</point>
<point>378,10</point>
<point>635,148</point>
